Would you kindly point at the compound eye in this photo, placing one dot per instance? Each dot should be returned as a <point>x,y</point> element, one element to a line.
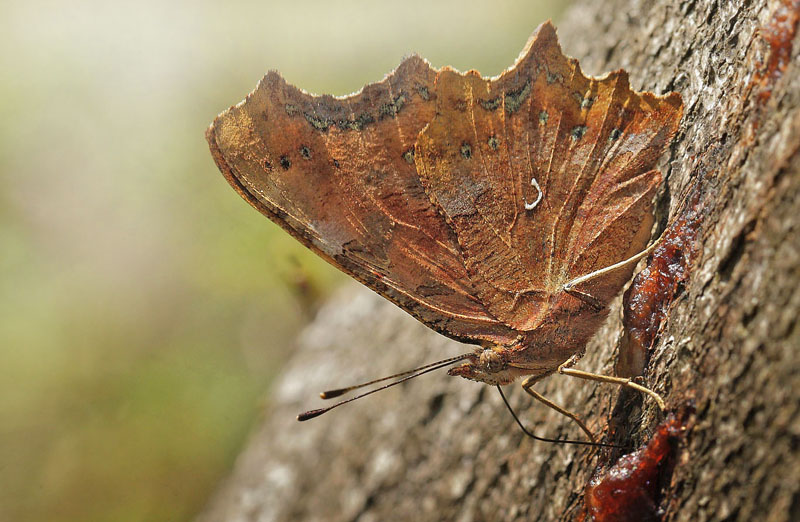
<point>492,361</point>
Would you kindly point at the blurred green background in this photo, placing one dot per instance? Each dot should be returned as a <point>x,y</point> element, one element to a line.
<point>144,307</point>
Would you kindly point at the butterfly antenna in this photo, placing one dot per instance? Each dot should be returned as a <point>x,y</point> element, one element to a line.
<point>409,374</point>
<point>545,439</point>
<point>330,394</point>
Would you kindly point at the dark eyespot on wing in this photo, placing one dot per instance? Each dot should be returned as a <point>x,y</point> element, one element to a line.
<point>491,104</point>
<point>577,132</point>
<point>543,116</point>
<point>515,99</point>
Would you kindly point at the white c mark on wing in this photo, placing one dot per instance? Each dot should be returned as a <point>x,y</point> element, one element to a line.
<point>531,206</point>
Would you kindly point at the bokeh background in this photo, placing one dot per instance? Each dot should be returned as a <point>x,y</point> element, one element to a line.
<point>144,307</point>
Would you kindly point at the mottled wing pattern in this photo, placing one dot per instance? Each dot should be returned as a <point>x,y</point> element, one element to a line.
<point>339,175</point>
<point>589,145</point>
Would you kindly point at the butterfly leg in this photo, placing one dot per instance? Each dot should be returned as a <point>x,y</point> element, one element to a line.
<point>621,381</point>
<point>527,385</point>
<point>583,296</point>
<point>591,300</point>
<point>569,286</point>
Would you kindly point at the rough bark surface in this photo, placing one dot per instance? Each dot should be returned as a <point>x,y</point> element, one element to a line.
<point>441,448</point>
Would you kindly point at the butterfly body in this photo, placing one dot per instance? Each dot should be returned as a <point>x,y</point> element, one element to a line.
<point>468,202</point>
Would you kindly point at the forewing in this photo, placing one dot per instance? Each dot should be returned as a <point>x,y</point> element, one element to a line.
<point>339,175</point>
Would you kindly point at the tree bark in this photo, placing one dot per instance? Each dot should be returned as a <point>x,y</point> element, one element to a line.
<point>713,314</point>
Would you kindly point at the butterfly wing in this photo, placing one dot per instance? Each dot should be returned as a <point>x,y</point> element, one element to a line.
<point>339,175</point>
<point>586,146</point>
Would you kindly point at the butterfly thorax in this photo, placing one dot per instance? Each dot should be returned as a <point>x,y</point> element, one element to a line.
<point>501,365</point>
<point>535,353</point>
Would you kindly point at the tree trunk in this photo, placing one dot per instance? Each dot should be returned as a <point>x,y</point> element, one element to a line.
<point>710,322</point>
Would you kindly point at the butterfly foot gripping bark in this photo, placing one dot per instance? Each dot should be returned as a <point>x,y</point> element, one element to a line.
<point>499,212</point>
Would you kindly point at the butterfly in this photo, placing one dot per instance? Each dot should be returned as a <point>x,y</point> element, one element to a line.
<point>488,209</point>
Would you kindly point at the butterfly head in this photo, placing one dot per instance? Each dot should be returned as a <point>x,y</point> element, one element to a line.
<point>488,365</point>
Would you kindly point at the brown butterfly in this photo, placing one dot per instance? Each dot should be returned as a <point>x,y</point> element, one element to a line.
<point>502,212</point>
